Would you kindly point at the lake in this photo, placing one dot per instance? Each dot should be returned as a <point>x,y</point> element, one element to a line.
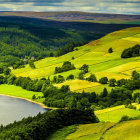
<point>12,109</point>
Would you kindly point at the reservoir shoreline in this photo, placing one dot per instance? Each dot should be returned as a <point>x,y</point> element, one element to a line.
<point>29,100</point>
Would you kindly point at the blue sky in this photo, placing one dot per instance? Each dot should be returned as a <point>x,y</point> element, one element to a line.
<point>98,6</point>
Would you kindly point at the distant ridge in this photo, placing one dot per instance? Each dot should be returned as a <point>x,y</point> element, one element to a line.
<point>79,16</point>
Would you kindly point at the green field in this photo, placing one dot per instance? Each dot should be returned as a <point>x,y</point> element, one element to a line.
<point>19,92</point>
<point>83,85</point>
<point>129,130</point>
<point>116,114</point>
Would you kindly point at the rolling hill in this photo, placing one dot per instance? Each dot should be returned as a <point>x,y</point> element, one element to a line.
<point>38,38</point>
<point>79,16</point>
<point>95,54</point>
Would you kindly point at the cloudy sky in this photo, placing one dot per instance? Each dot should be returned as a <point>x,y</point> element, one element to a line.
<point>98,6</point>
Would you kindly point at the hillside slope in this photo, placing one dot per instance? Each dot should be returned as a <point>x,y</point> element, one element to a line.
<point>95,54</point>
<point>128,130</point>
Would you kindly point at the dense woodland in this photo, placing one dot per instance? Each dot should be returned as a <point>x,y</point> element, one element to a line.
<point>42,125</point>
<point>22,39</point>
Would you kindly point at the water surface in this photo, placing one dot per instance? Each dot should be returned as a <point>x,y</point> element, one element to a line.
<point>12,109</point>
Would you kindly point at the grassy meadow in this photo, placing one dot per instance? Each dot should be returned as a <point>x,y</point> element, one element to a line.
<point>19,92</point>
<point>128,130</point>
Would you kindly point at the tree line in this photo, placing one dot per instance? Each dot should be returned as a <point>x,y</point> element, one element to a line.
<point>63,97</point>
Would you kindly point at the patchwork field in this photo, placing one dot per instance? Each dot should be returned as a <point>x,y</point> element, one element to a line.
<point>129,130</point>
<point>96,55</point>
<point>116,114</point>
<point>80,85</point>
<point>107,129</point>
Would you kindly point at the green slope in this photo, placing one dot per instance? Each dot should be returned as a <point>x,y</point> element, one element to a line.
<point>96,55</point>
<point>129,130</point>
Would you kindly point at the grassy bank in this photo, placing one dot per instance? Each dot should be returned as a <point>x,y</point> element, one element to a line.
<point>18,92</point>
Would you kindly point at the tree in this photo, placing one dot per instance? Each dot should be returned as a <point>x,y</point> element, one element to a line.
<point>85,102</point>
<point>103,80</point>
<point>110,50</point>
<point>81,76</point>
<point>79,106</point>
<point>135,75</point>
<point>70,77</point>
<point>84,68</point>
<point>34,97</point>
<point>65,88</point>
<point>112,82</point>
<point>54,79</point>
<point>1,79</point>
<point>104,93</point>
<point>32,65</point>
<point>92,78</point>
<point>7,71</point>
<point>60,79</point>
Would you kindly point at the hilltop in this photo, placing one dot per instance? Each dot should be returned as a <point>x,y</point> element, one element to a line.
<point>95,54</point>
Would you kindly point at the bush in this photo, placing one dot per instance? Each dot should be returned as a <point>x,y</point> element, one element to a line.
<point>110,50</point>
<point>130,106</point>
<point>124,118</point>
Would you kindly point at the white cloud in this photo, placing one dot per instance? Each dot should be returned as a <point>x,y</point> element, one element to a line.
<point>101,6</point>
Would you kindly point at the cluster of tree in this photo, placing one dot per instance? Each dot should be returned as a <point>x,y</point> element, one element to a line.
<point>131,52</point>
<point>31,64</point>
<point>58,79</point>
<point>131,84</point>
<point>5,70</point>
<point>65,67</point>
<point>42,125</point>
<point>69,48</point>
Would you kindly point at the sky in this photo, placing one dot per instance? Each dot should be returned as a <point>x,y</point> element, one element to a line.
<point>95,6</point>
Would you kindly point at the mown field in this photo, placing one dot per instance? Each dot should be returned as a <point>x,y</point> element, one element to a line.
<point>114,114</point>
<point>19,92</point>
<point>95,54</point>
